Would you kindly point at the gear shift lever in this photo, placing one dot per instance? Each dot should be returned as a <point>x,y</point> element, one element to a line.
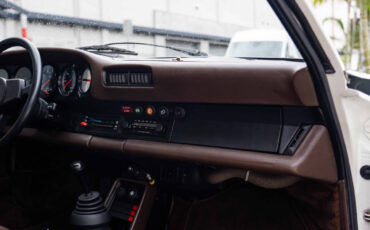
<point>90,212</point>
<point>78,168</point>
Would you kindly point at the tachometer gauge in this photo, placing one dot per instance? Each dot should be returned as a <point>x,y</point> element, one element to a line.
<point>67,81</point>
<point>85,81</point>
<point>49,81</point>
<point>4,74</point>
<point>25,74</point>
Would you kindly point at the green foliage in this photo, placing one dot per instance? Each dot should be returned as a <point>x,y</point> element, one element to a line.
<point>315,2</point>
<point>337,20</point>
<point>355,38</point>
<point>353,33</point>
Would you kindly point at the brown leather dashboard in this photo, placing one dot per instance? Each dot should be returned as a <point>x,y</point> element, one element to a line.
<point>196,80</point>
<point>283,83</point>
<point>214,80</point>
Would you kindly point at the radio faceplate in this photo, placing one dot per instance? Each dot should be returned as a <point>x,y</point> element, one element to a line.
<point>133,120</point>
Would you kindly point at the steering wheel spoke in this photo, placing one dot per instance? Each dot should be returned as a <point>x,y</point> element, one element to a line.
<point>11,89</point>
<point>26,90</point>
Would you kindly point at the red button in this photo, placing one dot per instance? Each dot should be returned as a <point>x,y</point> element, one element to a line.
<point>132,213</point>
<point>135,207</point>
<point>130,219</point>
<point>83,124</point>
<point>126,109</point>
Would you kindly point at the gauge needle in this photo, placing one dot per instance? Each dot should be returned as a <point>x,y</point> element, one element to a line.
<point>46,82</point>
<point>68,82</point>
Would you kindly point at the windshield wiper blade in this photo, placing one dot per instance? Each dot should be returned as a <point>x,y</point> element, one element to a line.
<point>106,49</point>
<point>191,52</point>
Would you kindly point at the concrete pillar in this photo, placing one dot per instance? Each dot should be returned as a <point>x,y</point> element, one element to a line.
<point>11,28</point>
<point>204,46</point>
<point>77,30</point>
<point>2,28</point>
<point>24,23</point>
<point>128,30</point>
<point>104,36</point>
<point>160,40</point>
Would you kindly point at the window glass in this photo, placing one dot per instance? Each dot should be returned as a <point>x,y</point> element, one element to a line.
<point>347,24</point>
<point>234,28</point>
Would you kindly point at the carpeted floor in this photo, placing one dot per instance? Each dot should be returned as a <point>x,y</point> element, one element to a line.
<point>252,208</point>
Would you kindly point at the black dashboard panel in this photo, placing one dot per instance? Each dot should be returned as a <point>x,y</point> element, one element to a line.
<point>240,127</point>
<point>247,127</point>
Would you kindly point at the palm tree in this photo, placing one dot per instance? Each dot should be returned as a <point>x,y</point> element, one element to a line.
<point>364,26</point>
<point>351,35</point>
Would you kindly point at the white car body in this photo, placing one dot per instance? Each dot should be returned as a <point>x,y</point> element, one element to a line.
<point>353,111</point>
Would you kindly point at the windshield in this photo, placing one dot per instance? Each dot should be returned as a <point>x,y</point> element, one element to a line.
<point>259,49</point>
<point>151,29</point>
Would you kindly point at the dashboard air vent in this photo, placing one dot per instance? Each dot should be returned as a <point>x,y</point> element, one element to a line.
<point>129,77</point>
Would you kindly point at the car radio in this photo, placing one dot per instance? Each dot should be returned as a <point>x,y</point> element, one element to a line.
<point>146,127</point>
<point>130,120</point>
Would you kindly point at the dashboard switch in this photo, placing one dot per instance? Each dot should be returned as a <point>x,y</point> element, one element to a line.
<point>164,112</point>
<point>179,112</point>
<point>126,109</point>
<point>150,110</point>
<point>83,124</point>
<point>138,110</point>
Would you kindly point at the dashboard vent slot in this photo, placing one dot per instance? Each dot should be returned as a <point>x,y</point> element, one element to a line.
<point>129,77</point>
<point>297,139</point>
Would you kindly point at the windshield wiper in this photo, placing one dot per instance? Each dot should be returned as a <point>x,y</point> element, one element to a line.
<point>191,52</point>
<point>107,50</point>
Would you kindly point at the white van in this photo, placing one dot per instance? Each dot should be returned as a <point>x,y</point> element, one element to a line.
<point>262,43</point>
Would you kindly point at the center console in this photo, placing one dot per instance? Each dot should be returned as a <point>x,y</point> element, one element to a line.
<point>126,207</point>
<point>129,204</point>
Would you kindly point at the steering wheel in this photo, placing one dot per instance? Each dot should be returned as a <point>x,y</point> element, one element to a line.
<point>11,90</point>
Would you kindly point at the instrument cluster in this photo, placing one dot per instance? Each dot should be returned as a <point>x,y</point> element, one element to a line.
<point>59,80</point>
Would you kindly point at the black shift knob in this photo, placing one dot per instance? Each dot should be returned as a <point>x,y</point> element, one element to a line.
<point>90,212</point>
<point>79,169</point>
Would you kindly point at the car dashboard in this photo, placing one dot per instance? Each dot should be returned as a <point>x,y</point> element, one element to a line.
<point>255,114</point>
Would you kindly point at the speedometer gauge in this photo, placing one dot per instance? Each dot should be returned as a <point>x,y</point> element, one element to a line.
<point>25,74</point>
<point>49,81</point>
<point>4,74</point>
<point>85,81</point>
<point>67,81</point>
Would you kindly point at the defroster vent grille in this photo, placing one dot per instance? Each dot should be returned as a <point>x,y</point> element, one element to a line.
<point>129,77</point>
